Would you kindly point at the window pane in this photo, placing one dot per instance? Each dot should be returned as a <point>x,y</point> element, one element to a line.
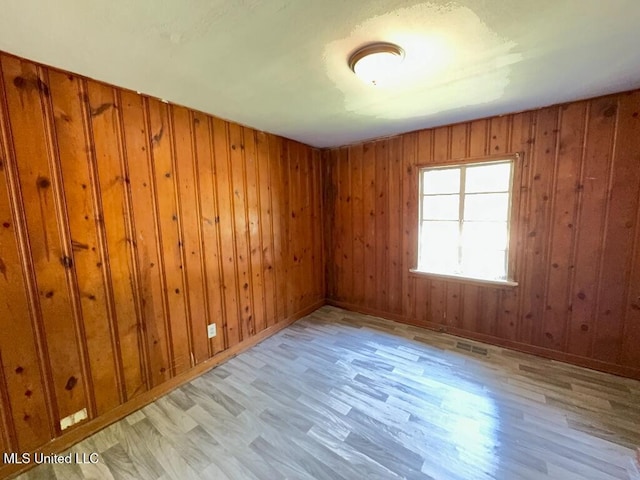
<point>484,235</point>
<point>441,180</point>
<point>479,250</point>
<point>484,264</point>
<point>440,207</point>
<point>488,178</point>
<point>486,206</point>
<point>439,247</point>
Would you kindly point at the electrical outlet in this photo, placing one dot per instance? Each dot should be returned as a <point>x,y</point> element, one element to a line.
<point>72,419</point>
<point>211,330</point>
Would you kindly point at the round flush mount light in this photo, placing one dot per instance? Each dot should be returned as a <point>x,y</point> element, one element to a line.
<point>376,62</point>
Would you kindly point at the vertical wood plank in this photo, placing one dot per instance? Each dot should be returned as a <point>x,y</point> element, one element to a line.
<point>394,258</point>
<point>329,212</point>
<point>346,229</point>
<point>304,236</point>
<point>24,414</point>
<point>224,192</point>
<point>266,217</point>
<point>631,336</point>
<point>169,236</point>
<point>537,226</point>
<point>339,222</point>
<point>409,222</point>
<point>287,225</point>
<point>111,181</point>
<point>381,245</point>
<point>254,216</point>
<point>459,136</point>
<point>299,195</point>
<point>488,311</point>
<point>292,176</point>
<point>330,198</point>
<point>593,186</point>
<point>25,405</point>
<point>23,88</point>
<point>83,208</point>
<point>423,300</point>
<point>509,313</point>
<point>370,226</point>
<point>562,234</point>
<point>239,209</point>
<point>280,219</point>
<point>357,220</point>
<point>622,208</point>
<point>190,225</point>
<point>209,222</point>
<point>151,288</point>
<point>438,301</point>
<point>318,237</point>
<point>66,241</point>
<point>630,354</point>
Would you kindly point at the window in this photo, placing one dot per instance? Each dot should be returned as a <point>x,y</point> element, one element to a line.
<point>464,220</point>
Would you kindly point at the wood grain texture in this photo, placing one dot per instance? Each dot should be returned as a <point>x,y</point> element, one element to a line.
<point>115,220</point>
<point>85,429</point>
<point>127,225</point>
<point>49,249</point>
<point>339,395</point>
<point>575,236</point>
<point>21,353</point>
<point>78,174</point>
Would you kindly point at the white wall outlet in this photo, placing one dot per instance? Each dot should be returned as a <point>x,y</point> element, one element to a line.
<point>211,330</point>
<point>72,419</point>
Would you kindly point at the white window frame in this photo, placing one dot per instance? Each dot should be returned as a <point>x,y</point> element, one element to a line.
<point>463,165</point>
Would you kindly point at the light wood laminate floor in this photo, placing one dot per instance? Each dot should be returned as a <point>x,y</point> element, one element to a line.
<point>340,395</point>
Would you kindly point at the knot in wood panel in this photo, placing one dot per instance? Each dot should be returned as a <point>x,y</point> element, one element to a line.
<point>71,383</point>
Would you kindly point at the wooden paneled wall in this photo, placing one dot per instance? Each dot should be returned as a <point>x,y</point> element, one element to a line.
<point>126,226</point>
<point>576,238</point>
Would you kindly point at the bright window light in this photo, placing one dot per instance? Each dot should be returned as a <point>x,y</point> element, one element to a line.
<point>464,220</point>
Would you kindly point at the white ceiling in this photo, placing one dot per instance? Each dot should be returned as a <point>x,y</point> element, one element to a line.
<point>281,65</point>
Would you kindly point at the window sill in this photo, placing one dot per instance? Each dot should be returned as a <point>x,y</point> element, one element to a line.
<point>462,279</point>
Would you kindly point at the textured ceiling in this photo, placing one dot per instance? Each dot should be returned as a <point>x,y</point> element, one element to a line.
<point>280,65</point>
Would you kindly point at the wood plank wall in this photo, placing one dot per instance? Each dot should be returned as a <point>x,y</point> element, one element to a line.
<point>126,226</point>
<point>577,233</point>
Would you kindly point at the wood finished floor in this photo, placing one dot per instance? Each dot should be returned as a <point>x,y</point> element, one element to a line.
<point>340,395</point>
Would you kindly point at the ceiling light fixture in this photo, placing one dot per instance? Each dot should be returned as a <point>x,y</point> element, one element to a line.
<point>376,62</point>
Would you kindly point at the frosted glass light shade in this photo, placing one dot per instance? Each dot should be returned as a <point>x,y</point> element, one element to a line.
<point>377,62</point>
